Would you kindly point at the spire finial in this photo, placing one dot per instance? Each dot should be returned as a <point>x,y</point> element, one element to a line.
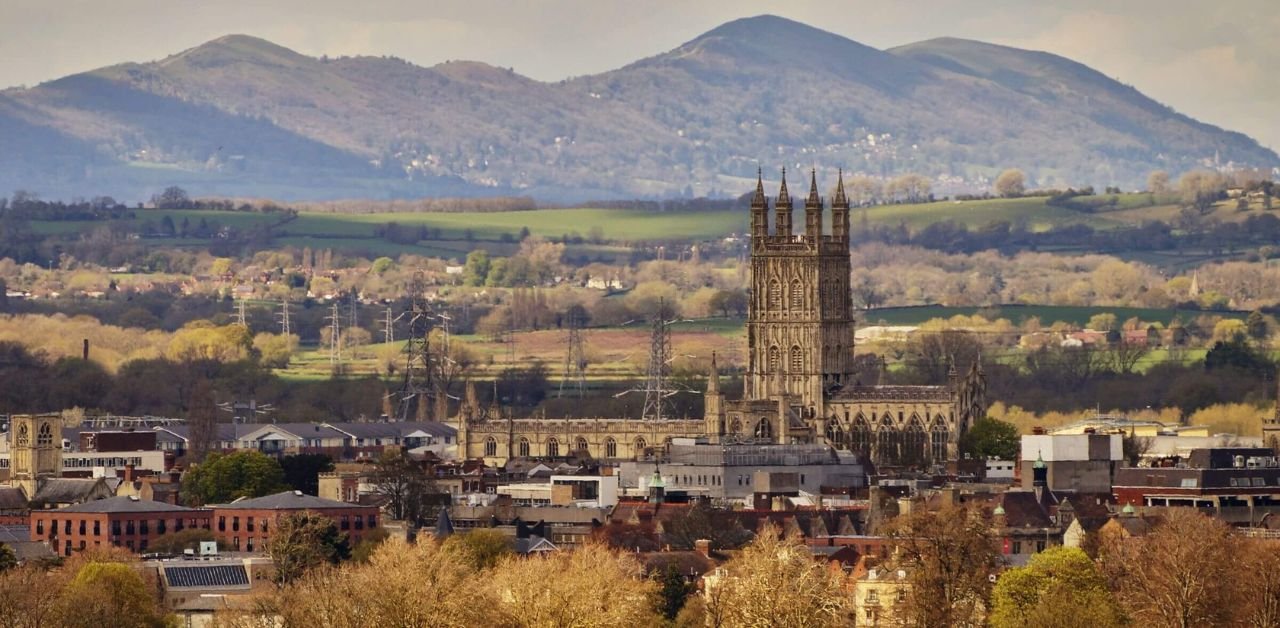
<point>759,200</point>
<point>814,200</point>
<point>782,192</point>
<point>840,200</point>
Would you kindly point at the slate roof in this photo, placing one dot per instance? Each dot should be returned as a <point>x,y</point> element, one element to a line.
<point>237,431</point>
<point>207,576</point>
<point>12,499</point>
<point>287,500</point>
<point>124,505</point>
<point>18,539</point>
<point>69,490</point>
<point>893,393</point>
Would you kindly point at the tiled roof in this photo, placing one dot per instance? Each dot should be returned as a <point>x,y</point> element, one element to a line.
<point>287,500</point>
<point>12,499</point>
<point>124,504</point>
<point>206,576</point>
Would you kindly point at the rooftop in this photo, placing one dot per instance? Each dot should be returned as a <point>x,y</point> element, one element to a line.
<point>287,500</point>
<point>124,505</point>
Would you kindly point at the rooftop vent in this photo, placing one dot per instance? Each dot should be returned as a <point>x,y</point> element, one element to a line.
<point>133,498</point>
<point>298,493</point>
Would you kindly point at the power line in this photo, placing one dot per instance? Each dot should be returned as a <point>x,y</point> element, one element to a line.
<point>575,359</point>
<point>335,335</point>
<point>283,317</point>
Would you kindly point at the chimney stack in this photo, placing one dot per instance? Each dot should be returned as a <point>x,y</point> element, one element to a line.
<point>85,351</point>
<point>703,546</point>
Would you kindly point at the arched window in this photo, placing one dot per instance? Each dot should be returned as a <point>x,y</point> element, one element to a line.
<point>775,294</point>
<point>797,359</point>
<point>797,296</point>
<point>835,434</point>
<point>553,448</point>
<point>775,356</point>
<point>913,443</point>
<point>610,448</point>
<point>522,448</point>
<point>938,438</point>
<point>23,437</point>
<point>490,447</point>
<point>886,441</point>
<point>45,437</point>
<point>640,446</point>
<point>735,426</point>
<point>580,445</point>
<point>860,436</point>
<point>764,429</point>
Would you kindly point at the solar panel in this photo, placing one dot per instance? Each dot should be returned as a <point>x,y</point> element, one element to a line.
<point>207,576</point>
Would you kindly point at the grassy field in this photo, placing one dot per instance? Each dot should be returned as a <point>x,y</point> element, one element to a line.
<point>1016,314</point>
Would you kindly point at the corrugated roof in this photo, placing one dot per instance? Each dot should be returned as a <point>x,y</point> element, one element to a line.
<point>124,504</point>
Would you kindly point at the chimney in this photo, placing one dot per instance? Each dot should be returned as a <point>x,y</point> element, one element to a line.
<point>703,546</point>
<point>128,473</point>
<point>1038,430</point>
<point>84,353</point>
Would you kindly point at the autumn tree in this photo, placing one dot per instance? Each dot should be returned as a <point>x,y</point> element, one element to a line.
<point>1181,574</point>
<point>1158,182</point>
<point>1059,587</point>
<point>1011,183</point>
<point>589,587</point>
<point>949,555</point>
<point>484,548</point>
<point>1200,189</point>
<point>775,581</point>
<point>303,541</point>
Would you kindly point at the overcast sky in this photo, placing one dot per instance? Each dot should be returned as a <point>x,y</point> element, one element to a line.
<point>1215,61</point>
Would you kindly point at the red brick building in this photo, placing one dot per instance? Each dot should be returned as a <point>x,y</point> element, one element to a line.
<point>247,524</point>
<point>126,522</point>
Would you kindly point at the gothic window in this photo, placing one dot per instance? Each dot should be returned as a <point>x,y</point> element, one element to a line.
<point>938,438</point>
<point>860,436</point>
<point>610,448</point>
<point>886,441</point>
<point>581,445</point>
<point>23,437</point>
<point>775,294</point>
<point>764,429</point>
<point>553,448</point>
<point>522,448</point>
<point>640,447</point>
<point>797,296</point>
<point>835,435</point>
<point>45,437</point>
<point>774,357</point>
<point>797,359</point>
<point>490,447</point>
<point>913,445</point>
<point>735,426</point>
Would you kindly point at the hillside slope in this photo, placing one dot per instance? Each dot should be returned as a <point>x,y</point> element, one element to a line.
<point>240,115</point>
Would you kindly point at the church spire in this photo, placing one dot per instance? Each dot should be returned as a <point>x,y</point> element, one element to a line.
<point>813,199</point>
<point>759,199</point>
<point>713,377</point>
<point>840,199</point>
<point>782,209</point>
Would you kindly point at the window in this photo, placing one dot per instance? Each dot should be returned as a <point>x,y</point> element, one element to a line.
<point>248,544</point>
<point>490,447</point>
<point>610,448</point>
<point>775,294</point>
<point>129,527</point>
<point>45,437</point>
<point>522,448</point>
<point>764,429</point>
<point>39,526</point>
<point>235,524</point>
<point>83,525</point>
<point>938,437</point>
<point>873,597</point>
<point>581,445</point>
<point>640,446</point>
<point>248,524</point>
<point>222,524</point>
<point>143,527</point>
<point>797,359</point>
<point>97,528</point>
<point>553,448</point>
<point>1039,546</point>
<point>373,521</point>
<point>346,522</point>
<point>66,528</point>
<point>797,295</point>
<point>265,521</point>
<point>775,356</point>
<point>1016,547</point>
<point>235,543</point>
<point>115,528</point>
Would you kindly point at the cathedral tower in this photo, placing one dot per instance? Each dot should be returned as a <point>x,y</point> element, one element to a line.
<point>800,319</point>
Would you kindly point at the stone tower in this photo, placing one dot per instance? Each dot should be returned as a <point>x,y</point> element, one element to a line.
<point>799,317</point>
<point>35,448</point>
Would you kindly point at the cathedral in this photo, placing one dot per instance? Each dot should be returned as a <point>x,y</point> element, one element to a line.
<point>800,386</point>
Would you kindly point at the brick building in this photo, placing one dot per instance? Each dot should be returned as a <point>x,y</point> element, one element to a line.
<point>247,524</point>
<point>126,522</point>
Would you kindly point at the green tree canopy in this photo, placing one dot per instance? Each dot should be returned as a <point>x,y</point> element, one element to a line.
<point>1060,586</point>
<point>110,594</point>
<point>484,547</point>
<point>990,438</point>
<point>225,477</point>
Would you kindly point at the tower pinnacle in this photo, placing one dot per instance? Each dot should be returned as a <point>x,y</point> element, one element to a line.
<point>783,209</point>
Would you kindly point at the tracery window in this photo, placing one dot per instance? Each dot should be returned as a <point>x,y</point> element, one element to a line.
<point>490,447</point>
<point>797,359</point>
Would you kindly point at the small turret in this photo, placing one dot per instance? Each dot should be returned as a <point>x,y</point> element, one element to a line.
<point>840,211</point>
<point>813,209</point>
<point>782,209</point>
<point>759,209</point>
<point>713,403</point>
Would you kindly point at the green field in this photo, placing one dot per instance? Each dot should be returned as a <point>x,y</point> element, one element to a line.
<point>1016,314</point>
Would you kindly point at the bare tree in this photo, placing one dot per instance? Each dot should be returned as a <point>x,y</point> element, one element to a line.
<point>949,555</point>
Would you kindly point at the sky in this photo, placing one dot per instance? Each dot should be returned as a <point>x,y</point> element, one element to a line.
<point>1214,61</point>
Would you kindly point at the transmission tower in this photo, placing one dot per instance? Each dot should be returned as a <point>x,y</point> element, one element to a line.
<point>335,335</point>
<point>353,320</point>
<point>575,359</point>
<point>420,396</point>
<point>656,392</point>
<point>388,327</point>
<point>240,317</point>
<point>283,317</point>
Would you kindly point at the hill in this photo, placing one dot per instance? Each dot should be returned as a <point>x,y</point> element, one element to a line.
<point>243,116</point>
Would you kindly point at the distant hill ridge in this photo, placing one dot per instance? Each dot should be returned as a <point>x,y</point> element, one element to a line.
<point>243,116</point>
